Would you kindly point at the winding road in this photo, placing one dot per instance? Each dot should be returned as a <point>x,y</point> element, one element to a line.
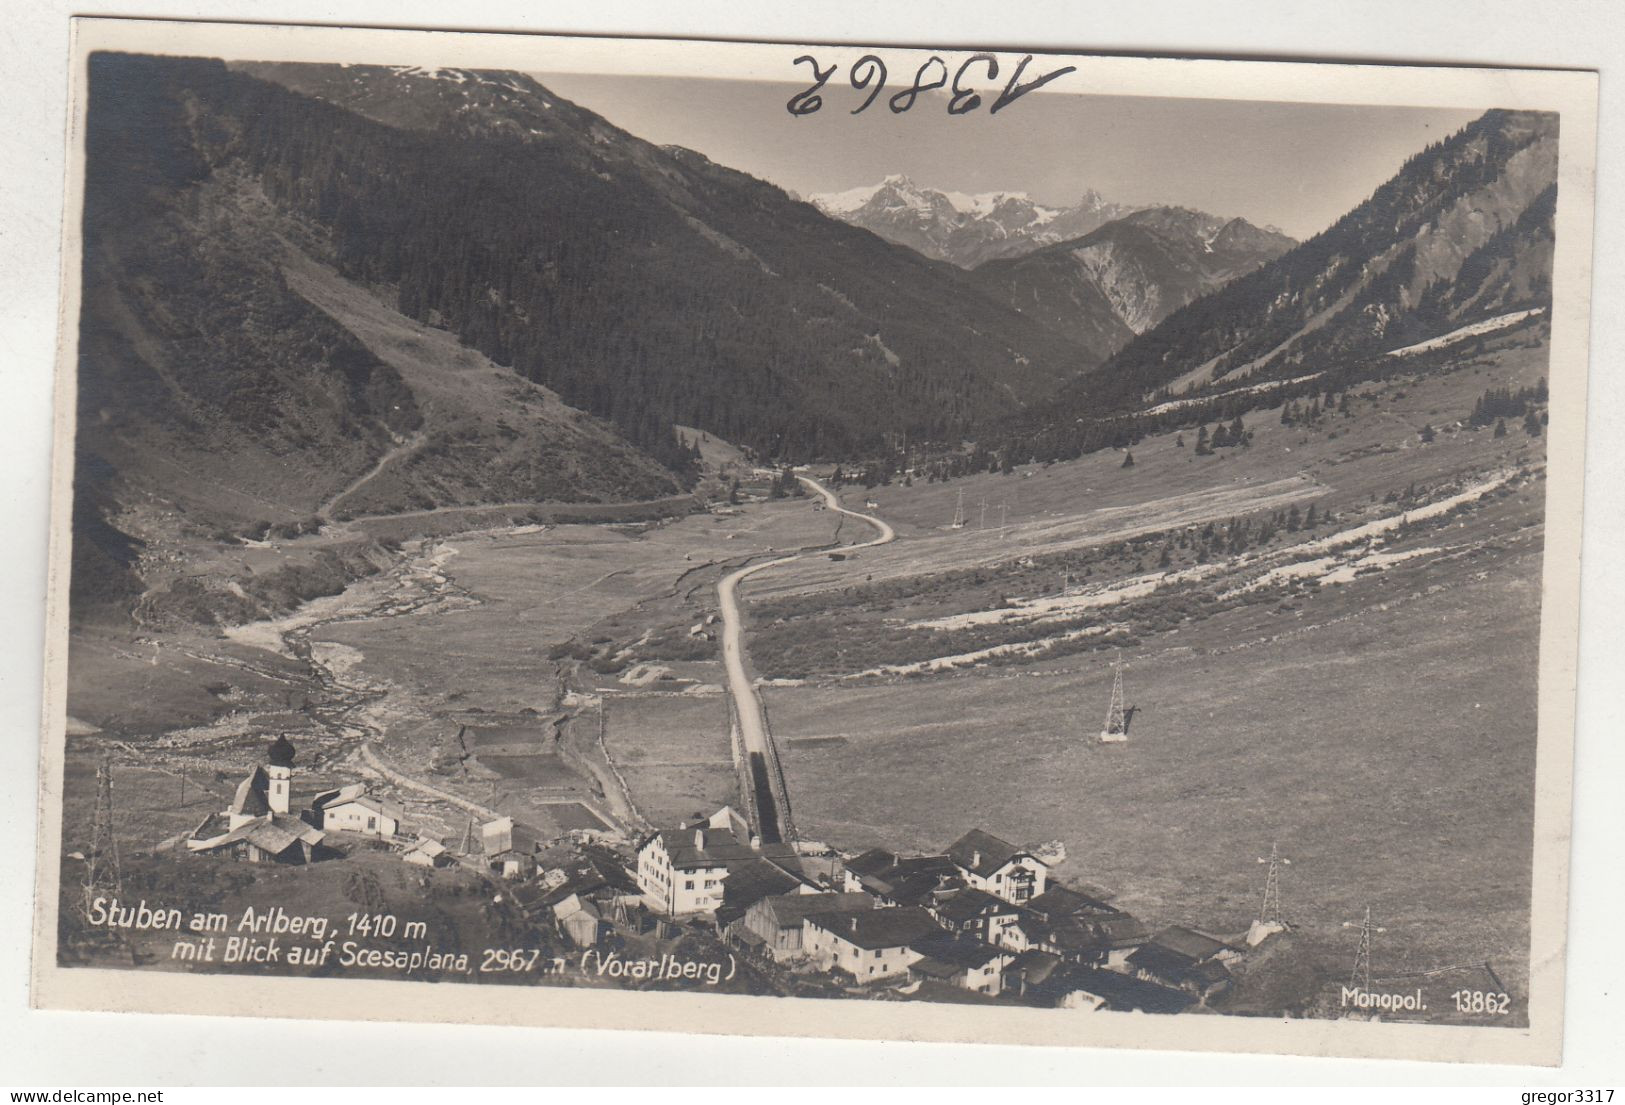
<point>747,703</point>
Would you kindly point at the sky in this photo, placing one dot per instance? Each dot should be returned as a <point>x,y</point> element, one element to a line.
<point>1292,165</point>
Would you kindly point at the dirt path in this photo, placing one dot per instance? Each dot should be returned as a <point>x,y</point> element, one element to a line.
<point>410,445</point>
<point>407,782</point>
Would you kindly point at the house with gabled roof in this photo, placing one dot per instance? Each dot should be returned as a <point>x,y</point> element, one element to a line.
<point>901,880</point>
<point>271,838</point>
<point>871,945</point>
<point>351,809</point>
<point>775,926</point>
<point>681,872</point>
<point>980,916</point>
<point>961,961</point>
<point>1185,959</point>
<point>999,867</point>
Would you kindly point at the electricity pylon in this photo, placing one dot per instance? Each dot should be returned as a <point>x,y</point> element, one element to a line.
<point>1361,975</point>
<point>102,869</point>
<point>1116,728</point>
<point>1269,910</point>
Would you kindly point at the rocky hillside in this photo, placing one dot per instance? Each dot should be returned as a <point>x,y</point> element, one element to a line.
<point>1460,234</point>
<point>965,230</point>
<point>1103,289</point>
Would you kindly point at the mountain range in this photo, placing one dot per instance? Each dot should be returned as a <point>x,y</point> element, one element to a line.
<point>965,230</point>
<point>1107,287</point>
<point>314,291</point>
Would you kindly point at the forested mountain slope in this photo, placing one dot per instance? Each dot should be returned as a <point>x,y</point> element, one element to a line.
<point>1462,232</point>
<point>1118,281</point>
<point>646,285</point>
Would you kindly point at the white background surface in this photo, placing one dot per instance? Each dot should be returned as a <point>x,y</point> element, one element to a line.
<point>50,1050</point>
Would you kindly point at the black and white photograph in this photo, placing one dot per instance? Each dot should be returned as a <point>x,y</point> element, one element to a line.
<point>908,543</point>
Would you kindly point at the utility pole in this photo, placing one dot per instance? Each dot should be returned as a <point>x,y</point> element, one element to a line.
<point>1002,515</point>
<point>102,868</point>
<point>1116,729</point>
<point>982,525</point>
<point>1269,910</point>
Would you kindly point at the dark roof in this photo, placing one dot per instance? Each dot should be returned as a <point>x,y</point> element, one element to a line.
<point>1188,942</point>
<point>960,953</point>
<point>1059,901</point>
<point>876,928</point>
<point>872,862</point>
<point>968,903</point>
<point>274,833</point>
<point>1097,933</point>
<point>750,882</point>
<point>1160,961</point>
<point>982,853</point>
<point>1033,965</point>
<point>1122,930</point>
<point>931,989</point>
<point>908,881</point>
<point>1179,969</point>
<point>253,794</point>
<point>790,910</point>
<point>592,874</point>
<point>1125,993</point>
<point>721,849</point>
<point>919,887</point>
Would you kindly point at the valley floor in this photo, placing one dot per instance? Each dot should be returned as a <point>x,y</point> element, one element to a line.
<point>1359,691</point>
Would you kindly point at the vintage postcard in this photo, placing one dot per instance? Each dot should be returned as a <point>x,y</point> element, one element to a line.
<point>874,542</point>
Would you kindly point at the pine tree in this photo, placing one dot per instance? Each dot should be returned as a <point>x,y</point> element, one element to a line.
<point>1427,433</point>
<point>1500,427</point>
<point>1531,424</point>
<point>1128,459</point>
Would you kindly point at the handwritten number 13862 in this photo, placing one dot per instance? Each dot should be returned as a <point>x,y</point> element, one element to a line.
<point>869,73</point>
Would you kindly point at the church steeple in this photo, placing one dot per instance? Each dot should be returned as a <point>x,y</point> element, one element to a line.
<point>282,752</point>
<point>279,775</point>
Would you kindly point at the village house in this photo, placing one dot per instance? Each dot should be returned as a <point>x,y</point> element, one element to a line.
<point>980,916</point>
<point>579,919</point>
<point>775,926</point>
<point>352,809</point>
<point>1106,940</point>
<point>1082,928</point>
<point>1048,981</point>
<point>510,849</point>
<point>1187,960</point>
<point>870,945</point>
<point>900,881</point>
<point>681,871</point>
<point>959,961</point>
<point>750,882</point>
<point>427,852</point>
<point>999,867</point>
<point>273,838</point>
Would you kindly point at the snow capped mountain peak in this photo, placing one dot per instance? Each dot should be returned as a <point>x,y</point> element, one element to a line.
<point>965,228</point>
